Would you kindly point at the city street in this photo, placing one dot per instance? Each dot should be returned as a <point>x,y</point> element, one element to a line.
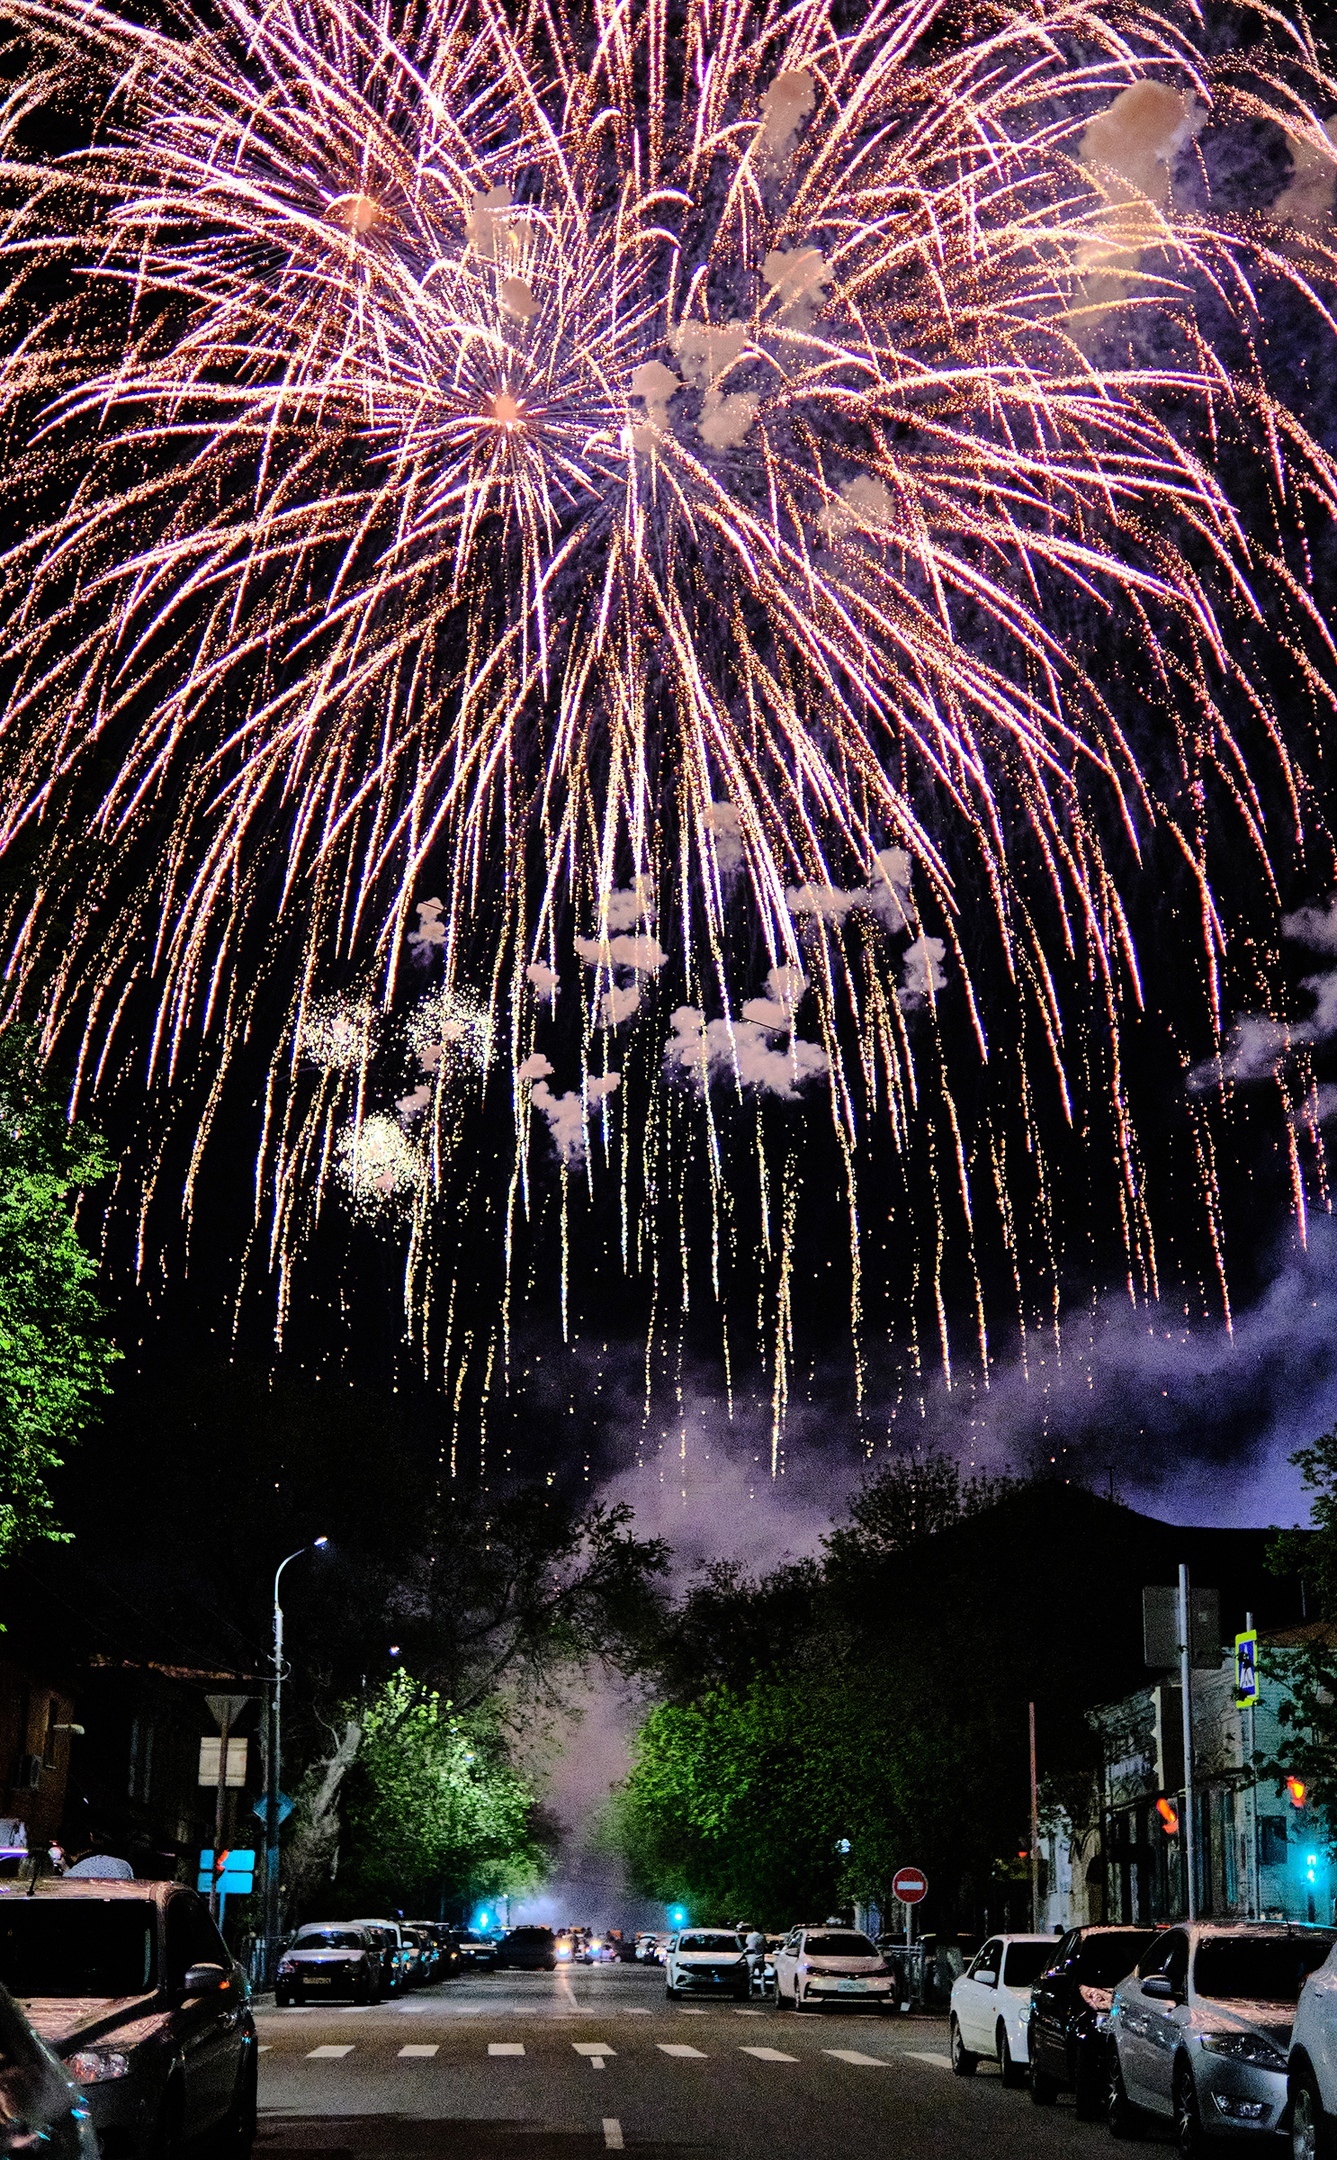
<point>595,2060</point>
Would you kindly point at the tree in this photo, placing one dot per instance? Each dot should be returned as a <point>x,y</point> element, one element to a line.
<point>54,1353</point>
<point>1308,1668</point>
<point>910,1500</point>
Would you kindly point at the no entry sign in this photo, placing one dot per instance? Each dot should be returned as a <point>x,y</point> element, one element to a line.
<point>909,1884</point>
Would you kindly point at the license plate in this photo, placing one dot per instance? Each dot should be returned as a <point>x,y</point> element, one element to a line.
<point>852,1987</point>
<point>318,1980</point>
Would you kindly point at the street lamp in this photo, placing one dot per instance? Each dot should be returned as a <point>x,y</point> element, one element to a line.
<point>272,1766</point>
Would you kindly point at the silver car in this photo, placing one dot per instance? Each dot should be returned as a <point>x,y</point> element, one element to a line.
<point>1199,2033</point>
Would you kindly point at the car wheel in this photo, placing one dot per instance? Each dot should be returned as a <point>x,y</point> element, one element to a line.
<point>236,2132</point>
<point>1188,2121</point>
<point>964,2064</point>
<point>670,1992</point>
<point>282,1999</point>
<point>1125,2120</point>
<point>1013,2073</point>
<point>1311,2125</point>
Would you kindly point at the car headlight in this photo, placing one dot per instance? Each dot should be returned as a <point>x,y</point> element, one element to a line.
<point>94,2066</point>
<point>1245,2047</point>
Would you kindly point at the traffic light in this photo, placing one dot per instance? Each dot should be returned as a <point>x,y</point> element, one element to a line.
<point>1169,1815</point>
<point>1298,1790</point>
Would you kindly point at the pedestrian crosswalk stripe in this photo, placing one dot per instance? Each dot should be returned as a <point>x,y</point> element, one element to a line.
<point>867,2062</point>
<point>693,2010</point>
<point>326,2054</point>
<point>940,2062</point>
<point>506,2047</point>
<point>636,2011</point>
<point>767,2054</point>
<point>669,2047</point>
<point>592,2047</point>
<point>740,2012</point>
<point>264,2047</point>
<point>428,2048</point>
<point>612,2134</point>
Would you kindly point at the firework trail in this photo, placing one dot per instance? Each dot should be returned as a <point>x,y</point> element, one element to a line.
<point>606,508</point>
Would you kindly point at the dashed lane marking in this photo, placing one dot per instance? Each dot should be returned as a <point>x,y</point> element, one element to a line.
<point>421,2052</point>
<point>694,2010</point>
<point>767,2054</point>
<point>592,2047</point>
<point>636,2011</point>
<point>940,2062</point>
<point>670,2047</point>
<point>329,2054</point>
<point>506,2047</point>
<point>612,2134</point>
<point>872,2062</point>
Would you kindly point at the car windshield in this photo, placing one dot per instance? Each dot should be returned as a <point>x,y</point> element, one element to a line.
<point>701,1941</point>
<point>1272,1969</point>
<point>1104,1960</point>
<point>1025,1962</point>
<point>475,1942</point>
<point>840,1946</point>
<point>77,1946</point>
<point>535,1934</point>
<point>328,1939</point>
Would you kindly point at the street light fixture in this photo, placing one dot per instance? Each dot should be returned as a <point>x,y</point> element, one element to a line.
<point>272,1766</point>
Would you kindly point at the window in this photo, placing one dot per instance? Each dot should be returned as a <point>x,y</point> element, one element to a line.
<point>988,1961</point>
<point>1106,1959</point>
<point>1025,1962</point>
<point>1165,1954</point>
<point>77,1946</point>
<point>1262,1969</point>
<point>141,1759</point>
<point>1272,1840</point>
<point>320,1938</point>
<point>192,1939</point>
<point>699,1940</point>
<point>854,1946</point>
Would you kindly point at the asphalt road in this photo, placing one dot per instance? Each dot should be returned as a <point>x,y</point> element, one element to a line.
<point>566,2065</point>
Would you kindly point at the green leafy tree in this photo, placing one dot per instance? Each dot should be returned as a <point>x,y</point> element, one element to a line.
<point>1308,1668</point>
<point>54,1352</point>
<point>434,1811</point>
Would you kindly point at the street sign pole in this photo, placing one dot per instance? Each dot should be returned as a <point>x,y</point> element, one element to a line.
<point>1035,1833</point>
<point>1186,1689</point>
<point>220,1802</point>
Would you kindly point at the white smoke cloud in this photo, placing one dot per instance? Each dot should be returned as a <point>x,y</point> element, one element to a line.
<point>485,225</point>
<point>796,277</point>
<point>656,384</point>
<point>618,1004</point>
<point>534,1067</point>
<point>1258,1046</point>
<point>886,894</point>
<point>865,505</point>
<point>568,1115</point>
<point>746,1051</point>
<point>784,108</point>
<point>430,933</point>
<point>544,980</point>
<point>726,825</point>
<point>924,974</point>
<point>1307,199</point>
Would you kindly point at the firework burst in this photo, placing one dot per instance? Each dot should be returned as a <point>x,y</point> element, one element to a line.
<point>698,490</point>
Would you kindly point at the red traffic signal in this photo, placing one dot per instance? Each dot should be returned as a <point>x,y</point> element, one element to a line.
<point>1169,1815</point>
<point>1298,1791</point>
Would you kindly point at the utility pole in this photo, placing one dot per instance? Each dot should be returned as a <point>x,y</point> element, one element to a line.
<point>273,1768</point>
<point>1035,1831</point>
<point>1255,1887</point>
<point>1186,1689</point>
<point>220,1803</point>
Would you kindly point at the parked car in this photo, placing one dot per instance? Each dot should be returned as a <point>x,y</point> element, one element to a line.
<point>706,1961</point>
<point>1312,2068</point>
<point>645,1947</point>
<point>133,1987</point>
<point>445,1948</point>
<point>528,1949</point>
<point>1200,2034</point>
<point>40,2103</point>
<point>478,1953</point>
<point>1070,2010</point>
<point>394,1959</point>
<point>326,1959</point>
<point>991,2004</point>
<point>814,1965</point>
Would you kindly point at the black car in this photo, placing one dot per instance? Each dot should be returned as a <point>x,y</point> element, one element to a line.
<point>1070,2005</point>
<point>478,1953</point>
<point>133,1987</point>
<point>40,2103</point>
<point>529,1949</point>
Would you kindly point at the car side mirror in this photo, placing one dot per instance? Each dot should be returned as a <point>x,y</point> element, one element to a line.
<point>1159,1988</point>
<point>987,1979</point>
<point>204,1979</point>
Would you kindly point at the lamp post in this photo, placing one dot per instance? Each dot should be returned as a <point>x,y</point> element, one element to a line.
<point>272,1767</point>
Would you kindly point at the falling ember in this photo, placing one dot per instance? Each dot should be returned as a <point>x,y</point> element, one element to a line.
<point>870,610</point>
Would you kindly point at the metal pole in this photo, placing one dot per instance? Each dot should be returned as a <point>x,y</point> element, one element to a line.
<point>274,1768</point>
<point>220,1809</point>
<point>1035,1832</point>
<point>1255,1886</point>
<point>1186,1689</point>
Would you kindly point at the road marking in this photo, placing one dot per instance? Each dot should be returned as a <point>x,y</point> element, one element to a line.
<point>669,2047</point>
<point>748,2013</point>
<point>504,2047</point>
<point>612,2134</point>
<point>593,2047</point>
<point>637,2011</point>
<point>767,2054</point>
<point>694,2011</point>
<point>264,2047</point>
<point>874,2062</point>
<point>420,2051</point>
<point>360,2009</point>
<point>940,2062</point>
<point>328,2054</point>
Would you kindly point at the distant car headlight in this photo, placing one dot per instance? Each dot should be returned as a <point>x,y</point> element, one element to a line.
<point>1245,2047</point>
<point>94,2066</point>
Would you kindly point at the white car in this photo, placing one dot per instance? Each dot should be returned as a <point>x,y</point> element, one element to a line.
<point>814,1965</point>
<point>646,1945</point>
<point>706,1961</point>
<point>1312,2069</point>
<point>991,2004</point>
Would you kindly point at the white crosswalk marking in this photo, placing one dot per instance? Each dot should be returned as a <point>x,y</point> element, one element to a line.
<point>506,2047</point>
<point>425,2050</point>
<point>327,2054</point>
<point>767,2054</point>
<point>940,2062</point>
<point>739,2012</point>
<point>612,2134</point>
<point>264,2047</point>
<point>868,2062</point>
<point>636,2011</point>
<point>670,2047</point>
<point>593,2047</point>
<point>693,2010</point>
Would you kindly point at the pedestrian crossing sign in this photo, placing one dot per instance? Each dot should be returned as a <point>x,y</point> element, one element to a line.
<point>1246,1669</point>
